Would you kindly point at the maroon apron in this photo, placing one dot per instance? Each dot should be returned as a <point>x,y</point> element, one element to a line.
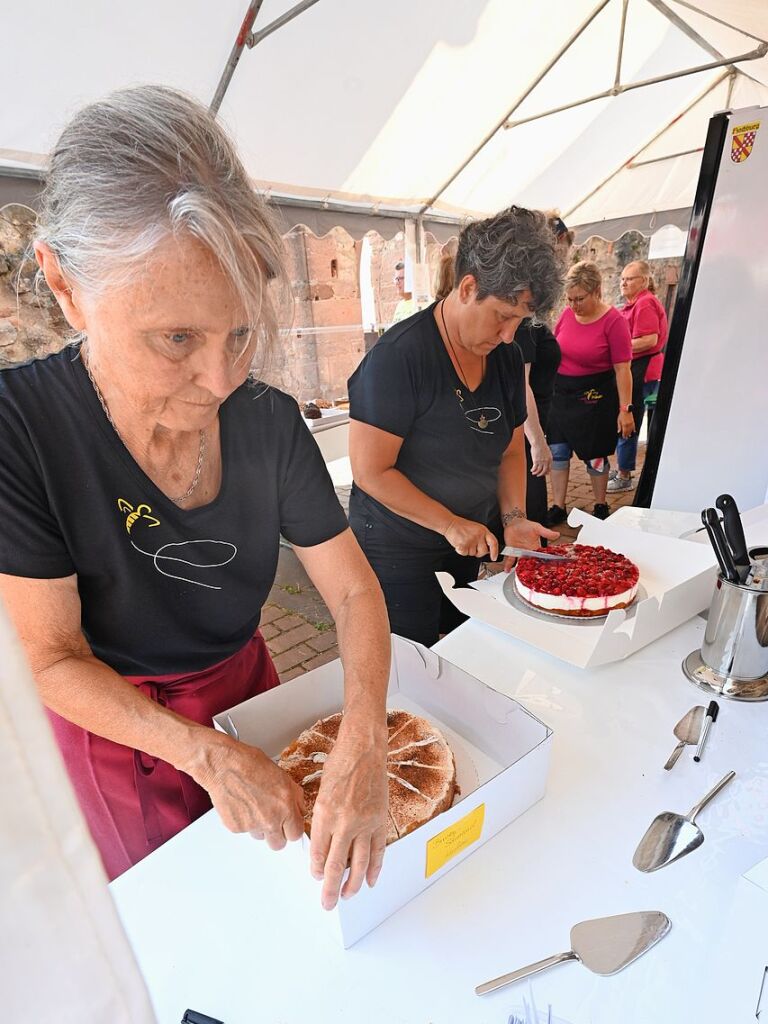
<point>132,802</point>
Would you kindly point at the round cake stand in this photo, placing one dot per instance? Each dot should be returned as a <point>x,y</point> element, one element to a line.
<point>730,687</point>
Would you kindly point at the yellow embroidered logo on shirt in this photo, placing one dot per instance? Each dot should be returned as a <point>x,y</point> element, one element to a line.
<point>452,840</point>
<point>133,514</point>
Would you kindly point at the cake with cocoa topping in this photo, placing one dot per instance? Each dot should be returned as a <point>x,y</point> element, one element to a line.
<point>597,582</point>
<point>421,772</point>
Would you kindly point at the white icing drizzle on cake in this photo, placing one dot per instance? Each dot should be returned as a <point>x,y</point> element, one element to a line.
<point>404,782</point>
<point>435,787</point>
<point>416,743</point>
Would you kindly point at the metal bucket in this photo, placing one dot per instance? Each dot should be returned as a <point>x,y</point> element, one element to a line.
<point>733,660</point>
<point>736,638</point>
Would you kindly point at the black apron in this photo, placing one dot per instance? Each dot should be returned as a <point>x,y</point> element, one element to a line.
<point>584,414</point>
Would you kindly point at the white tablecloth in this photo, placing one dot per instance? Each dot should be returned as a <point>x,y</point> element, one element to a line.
<point>216,924</point>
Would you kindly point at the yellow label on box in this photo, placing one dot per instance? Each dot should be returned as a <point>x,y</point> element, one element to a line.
<point>452,840</point>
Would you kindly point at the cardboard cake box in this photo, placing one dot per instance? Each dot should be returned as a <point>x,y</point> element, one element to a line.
<point>677,578</point>
<point>502,759</point>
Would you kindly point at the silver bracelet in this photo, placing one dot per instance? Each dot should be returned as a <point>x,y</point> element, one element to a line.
<point>508,517</point>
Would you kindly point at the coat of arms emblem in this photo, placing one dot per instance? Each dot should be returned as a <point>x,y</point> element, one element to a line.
<point>742,141</point>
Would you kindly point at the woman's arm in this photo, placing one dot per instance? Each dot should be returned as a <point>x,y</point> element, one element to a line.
<point>644,343</point>
<point>541,456</point>
<point>373,454</point>
<point>250,793</point>
<point>349,820</point>
<point>518,531</point>
<point>626,420</point>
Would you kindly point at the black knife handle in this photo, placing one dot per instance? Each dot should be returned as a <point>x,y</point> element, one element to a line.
<point>734,529</point>
<point>711,521</point>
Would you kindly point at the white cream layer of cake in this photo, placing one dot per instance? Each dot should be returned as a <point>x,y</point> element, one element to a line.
<point>566,603</point>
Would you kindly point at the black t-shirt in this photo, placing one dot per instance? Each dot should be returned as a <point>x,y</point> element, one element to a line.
<point>451,450</point>
<point>540,348</point>
<point>162,590</point>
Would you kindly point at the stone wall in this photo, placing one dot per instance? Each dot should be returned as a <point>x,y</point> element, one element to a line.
<point>611,257</point>
<point>31,323</point>
<point>323,338</point>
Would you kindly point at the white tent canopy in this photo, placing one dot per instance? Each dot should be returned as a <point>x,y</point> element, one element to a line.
<point>416,108</point>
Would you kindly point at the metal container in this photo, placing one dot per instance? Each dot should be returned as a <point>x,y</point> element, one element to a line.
<point>733,661</point>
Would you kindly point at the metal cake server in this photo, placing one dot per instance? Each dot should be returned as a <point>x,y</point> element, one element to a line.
<point>544,556</point>
<point>671,836</point>
<point>688,731</point>
<point>605,945</point>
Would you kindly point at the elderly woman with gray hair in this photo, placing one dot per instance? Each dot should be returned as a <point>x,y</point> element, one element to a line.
<point>436,437</point>
<point>145,481</point>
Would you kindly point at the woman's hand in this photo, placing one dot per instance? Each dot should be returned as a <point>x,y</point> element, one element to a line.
<point>469,538</point>
<point>251,793</point>
<point>522,533</point>
<point>626,424</point>
<point>349,820</point>
<point>541,458</point>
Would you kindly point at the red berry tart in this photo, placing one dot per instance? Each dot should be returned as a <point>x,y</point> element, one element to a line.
<point>597,582</point>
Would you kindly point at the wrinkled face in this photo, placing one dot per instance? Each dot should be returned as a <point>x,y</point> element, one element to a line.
<point>484,324</point>
<point>582,302</point>
<point>176,342</point>
<point>632,281</point>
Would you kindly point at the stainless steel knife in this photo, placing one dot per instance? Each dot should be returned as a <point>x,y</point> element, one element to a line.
<point>544,556</point>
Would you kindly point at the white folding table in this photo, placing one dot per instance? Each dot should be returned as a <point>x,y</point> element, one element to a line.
<point>217,925</point>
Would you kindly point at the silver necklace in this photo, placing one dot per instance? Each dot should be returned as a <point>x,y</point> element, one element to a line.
<point>483,421</point>
<point>105,407</point>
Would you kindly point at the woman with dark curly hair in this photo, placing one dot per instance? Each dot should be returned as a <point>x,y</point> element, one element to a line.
<point>436,435</point>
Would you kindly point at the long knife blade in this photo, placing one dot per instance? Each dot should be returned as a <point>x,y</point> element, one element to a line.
<point>545,557</point>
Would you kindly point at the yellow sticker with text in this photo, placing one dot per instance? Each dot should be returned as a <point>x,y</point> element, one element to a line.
<point>452,840</point>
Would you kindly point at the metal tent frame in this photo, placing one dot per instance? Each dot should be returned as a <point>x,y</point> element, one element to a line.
<point>247,38</point>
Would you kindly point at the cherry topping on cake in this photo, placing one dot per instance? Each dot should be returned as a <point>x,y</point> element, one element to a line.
<point>597,572</point>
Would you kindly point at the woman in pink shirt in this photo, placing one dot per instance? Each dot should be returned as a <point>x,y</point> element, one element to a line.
<point>593,388</point>
<point>647,321</point>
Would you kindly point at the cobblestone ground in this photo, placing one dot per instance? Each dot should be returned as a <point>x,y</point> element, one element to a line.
<point>298,627</point>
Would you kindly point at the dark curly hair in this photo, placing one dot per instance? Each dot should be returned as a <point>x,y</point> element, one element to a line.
<point>509,253</point>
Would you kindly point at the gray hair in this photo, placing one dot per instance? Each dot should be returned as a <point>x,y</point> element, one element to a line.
<point>509,253</point>
<point>145,164</point>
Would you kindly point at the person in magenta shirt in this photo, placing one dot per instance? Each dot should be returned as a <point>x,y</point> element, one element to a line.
<point>647,322</point>
<point>593,388</point>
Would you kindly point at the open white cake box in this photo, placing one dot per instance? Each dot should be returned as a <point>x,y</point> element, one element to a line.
<point>502,759</point>
<point>677,577</point>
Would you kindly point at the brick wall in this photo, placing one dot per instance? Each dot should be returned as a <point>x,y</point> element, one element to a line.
<point>325,341</point>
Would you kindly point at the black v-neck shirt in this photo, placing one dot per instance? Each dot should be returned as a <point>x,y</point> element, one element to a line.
<point>406,385</point>
<point>163,590</point>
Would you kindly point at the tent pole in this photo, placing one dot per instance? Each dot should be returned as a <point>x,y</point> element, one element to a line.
<point>660,159</point>
<point>254,38</point>
<point>237,51</point>
<point>684,27</point>
<point>650,142</point>
<point>757,54</point>
<point>421,242</point>
<point>620,53</point>
<point>542,74</point>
